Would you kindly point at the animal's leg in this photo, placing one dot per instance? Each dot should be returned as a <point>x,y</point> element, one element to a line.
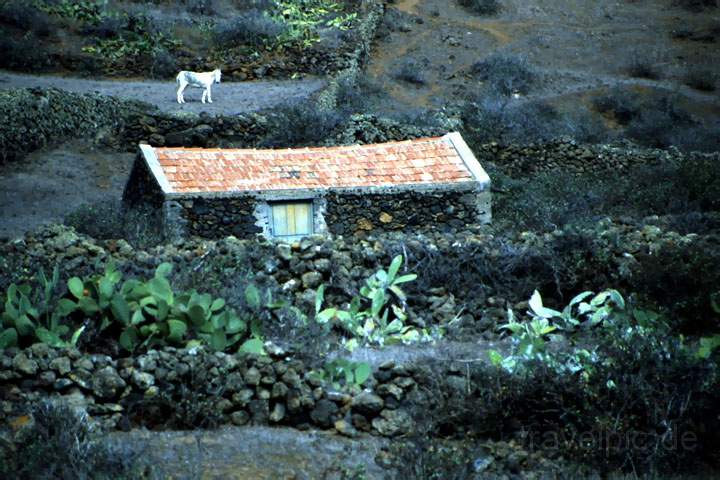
<point>209,92</point>
<point>204,95</point>
<point>180,98</point>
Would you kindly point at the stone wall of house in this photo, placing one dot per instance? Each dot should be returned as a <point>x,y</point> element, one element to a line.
<point>219,217</point>
<point>141,189</point>
<point>411,211</point>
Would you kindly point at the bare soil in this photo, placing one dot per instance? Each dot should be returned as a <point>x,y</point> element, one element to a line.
<point>576,45</point>
<point>50,184</point>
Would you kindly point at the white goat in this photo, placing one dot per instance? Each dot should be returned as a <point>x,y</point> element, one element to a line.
<point>195,79</point>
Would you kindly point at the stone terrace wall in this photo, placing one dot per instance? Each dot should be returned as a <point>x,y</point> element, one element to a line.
<point>571,156</point>
<point>416,212</point>
<point>34,118</point>
<point>245,389</point>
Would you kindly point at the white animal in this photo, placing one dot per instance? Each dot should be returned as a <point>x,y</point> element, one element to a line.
<point>195,79</point>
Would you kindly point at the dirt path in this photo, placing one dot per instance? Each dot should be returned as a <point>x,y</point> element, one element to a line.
<point>229,98</point>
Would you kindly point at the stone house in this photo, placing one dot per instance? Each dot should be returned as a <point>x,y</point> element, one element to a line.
<point>412,186</point>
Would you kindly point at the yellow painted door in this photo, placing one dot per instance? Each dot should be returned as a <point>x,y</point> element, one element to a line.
<point>292,220</point>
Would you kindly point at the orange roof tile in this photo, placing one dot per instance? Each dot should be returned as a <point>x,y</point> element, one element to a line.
<point>421,161</point>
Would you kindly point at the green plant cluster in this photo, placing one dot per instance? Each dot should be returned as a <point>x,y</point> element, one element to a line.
<point>378,315</point>
<point>343,374</point>
<point>139,39</point>
<point>143,314</point>
<point>305,17</point>
<point>29,314</point>
<point>83,10</point>
<point>606,310</point>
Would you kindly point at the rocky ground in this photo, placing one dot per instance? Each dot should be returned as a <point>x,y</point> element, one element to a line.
<point>579,48</point>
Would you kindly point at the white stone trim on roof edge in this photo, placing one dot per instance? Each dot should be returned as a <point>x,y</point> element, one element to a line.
<point>468,158</point>
<point>154,165</point>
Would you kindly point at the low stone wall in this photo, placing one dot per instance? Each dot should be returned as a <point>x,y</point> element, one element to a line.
<point>234,388</point>
<point>571,156</point>
<point>373,11</point>
<point>408,211</point>
<point>34,118</point>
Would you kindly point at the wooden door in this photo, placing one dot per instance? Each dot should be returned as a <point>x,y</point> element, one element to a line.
<point>291,220</point>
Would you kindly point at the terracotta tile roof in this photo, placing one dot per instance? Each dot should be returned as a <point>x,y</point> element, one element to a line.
<point>421,161</point>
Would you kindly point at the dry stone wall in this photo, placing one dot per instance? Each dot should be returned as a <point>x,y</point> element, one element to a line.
<point>233,389</point>
<point>571,156</point>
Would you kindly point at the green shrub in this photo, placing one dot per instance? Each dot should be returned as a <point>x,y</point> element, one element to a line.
<point>22,53</point>
<point>482,7</point>
<point>253,28</point>
<point>506,74</point>
<point>136,314</point>
<point>610,411</point>
<point>643,66</point>
<point>60,443</point>
<point>412,72</point>
<point>343,374</point>
<point>301,124</point>
<point>303,20</point>
<point>26,17</point>
<point>702,79</point>
<point>696,5</point>
<point>622,104</point>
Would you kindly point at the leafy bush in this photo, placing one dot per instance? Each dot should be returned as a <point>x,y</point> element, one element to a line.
<point>109,26</point>
<point>505,74</point>
<point>610,411</point>
<point>643,67</point>
<point>301,124</point>
<point>24,16</point>
<point>661,123</point>
<point>201,7</point>
<point>696,5</point>
<point>623,105</point>
<point>22,53</point>
<point>253,28</point>
<point>489,119</point>
<point>703,80</point>
<point>412,72</point>
<point>304,19</point>
<point>61,444</point>
<point>164,64</point>
<point>482,7</point>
